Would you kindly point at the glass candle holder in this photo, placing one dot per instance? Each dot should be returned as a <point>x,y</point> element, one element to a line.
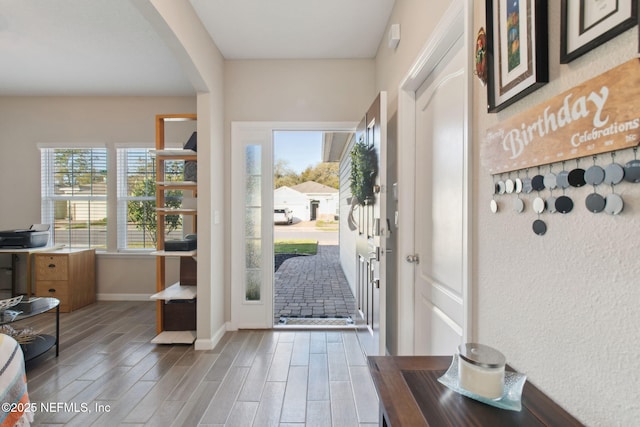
<point>481,370</point>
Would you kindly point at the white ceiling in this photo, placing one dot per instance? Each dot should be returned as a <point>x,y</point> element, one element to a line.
<point>106,47</point>
<point>285,29</point>
<point>83,47</point>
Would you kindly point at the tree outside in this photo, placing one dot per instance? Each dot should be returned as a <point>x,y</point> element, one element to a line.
<point>80,171</point>
<point>326,173</point>
<point>73,168</point>
<point>142,211</point>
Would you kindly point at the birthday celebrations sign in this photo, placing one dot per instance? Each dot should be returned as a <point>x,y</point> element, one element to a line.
<point>598,116</point>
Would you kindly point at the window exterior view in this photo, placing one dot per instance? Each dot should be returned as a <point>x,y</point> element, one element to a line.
<point>75,197</point>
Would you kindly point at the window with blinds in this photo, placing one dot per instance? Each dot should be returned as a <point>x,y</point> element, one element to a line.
<point>136,198</point>
<point>137,217</point>
<point>74,195</point>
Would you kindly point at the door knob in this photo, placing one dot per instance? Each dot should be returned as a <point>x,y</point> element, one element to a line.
<point>414,259</point>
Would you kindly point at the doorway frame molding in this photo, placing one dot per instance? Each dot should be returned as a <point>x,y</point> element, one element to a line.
<point>457,21</point>
<point>239,129</point>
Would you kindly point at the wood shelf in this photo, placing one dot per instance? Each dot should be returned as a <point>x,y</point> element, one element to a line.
<point>176,154</point>
<point>177,185</point>
<point>176,211</point>
<point>176,117</point>
<point>175,253</point>
<point>175,292</point>
<point>175,337</point>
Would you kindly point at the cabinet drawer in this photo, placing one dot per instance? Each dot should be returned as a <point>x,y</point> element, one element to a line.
<point>57,290</point>
<point>52,267</point>
<point>52,289</point>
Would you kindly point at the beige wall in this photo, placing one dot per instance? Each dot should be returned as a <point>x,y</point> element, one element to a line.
<point>28,121</point>
<point>562,307</point>
<point>417,19</point>
<point>297,90</point>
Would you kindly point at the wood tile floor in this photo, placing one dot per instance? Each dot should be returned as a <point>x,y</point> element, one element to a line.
<point>108,373</point>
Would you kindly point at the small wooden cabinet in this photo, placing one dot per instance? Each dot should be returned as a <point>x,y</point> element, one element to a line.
<point>67,274</point>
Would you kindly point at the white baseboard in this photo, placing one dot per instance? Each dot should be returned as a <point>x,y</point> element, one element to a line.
<point>200,344</point>
<point>123,297</point>
<point>231,327</point>
<point>210,343</point>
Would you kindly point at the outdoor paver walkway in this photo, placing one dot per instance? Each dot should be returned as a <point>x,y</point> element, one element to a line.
<point>313,286</point>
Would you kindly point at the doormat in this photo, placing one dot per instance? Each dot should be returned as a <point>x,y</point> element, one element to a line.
<point>316,321</point>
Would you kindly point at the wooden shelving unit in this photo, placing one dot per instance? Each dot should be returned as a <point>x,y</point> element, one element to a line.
<point>176,292</point>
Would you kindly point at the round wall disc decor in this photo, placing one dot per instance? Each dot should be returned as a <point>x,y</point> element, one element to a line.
<point>539,227</point>
<point>564,204</point>
<point>595,202</point>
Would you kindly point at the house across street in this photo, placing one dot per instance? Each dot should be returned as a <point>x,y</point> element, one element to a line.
<point>308,201</point>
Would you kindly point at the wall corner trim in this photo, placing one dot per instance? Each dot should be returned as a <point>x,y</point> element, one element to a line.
<point>210,343</point>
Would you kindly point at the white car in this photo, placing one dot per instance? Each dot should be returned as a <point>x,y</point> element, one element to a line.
<point>282,216</point>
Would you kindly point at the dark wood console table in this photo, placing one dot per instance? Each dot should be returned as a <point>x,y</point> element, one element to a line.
<point>411,396</point>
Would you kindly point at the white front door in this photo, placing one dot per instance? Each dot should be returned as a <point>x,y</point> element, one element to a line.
<point>440,207</point>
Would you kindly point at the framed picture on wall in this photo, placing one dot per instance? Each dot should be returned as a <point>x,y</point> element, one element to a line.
<point>586,24</point>
<point>517,50</point>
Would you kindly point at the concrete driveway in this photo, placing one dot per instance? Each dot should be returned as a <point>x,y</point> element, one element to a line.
<point>305,230</point>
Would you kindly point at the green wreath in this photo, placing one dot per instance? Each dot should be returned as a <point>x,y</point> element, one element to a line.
<point>364,169</point>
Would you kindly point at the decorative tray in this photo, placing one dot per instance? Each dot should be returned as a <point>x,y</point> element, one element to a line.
<point>7,303</point>
<point>511,397</point>
<point>7,315</point>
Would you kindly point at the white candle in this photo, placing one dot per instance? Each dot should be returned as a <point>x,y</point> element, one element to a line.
<point>481,370</point>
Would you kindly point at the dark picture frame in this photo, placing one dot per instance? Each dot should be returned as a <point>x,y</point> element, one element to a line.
<point>517,50</point>
<point>586,24</point>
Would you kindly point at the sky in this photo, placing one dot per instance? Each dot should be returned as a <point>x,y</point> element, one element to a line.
<point>299,148</point>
